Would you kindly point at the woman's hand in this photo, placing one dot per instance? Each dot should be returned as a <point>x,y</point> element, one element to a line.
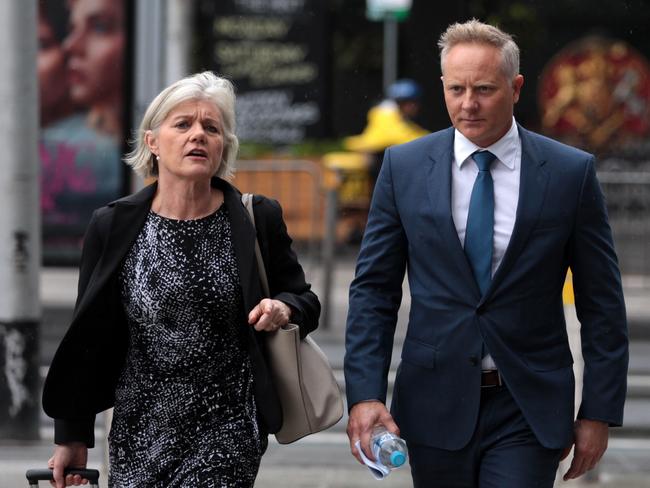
<point>269,315</point>
<point>71,455</point>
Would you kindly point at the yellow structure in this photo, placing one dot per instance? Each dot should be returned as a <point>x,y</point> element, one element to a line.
<point>567,291</point>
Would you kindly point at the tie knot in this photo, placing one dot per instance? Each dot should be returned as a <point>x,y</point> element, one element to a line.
<point>483,160</point>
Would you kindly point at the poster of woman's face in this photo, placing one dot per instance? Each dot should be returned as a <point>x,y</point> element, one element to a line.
<point>81,59</point>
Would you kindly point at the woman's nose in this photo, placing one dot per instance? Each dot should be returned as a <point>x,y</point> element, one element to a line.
<point>197,133</point>
<point>73,41</point>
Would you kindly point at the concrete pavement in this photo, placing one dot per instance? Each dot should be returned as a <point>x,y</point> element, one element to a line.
<point>323,460</point>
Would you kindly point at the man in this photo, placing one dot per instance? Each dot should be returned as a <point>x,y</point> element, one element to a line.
<point>484,395</point>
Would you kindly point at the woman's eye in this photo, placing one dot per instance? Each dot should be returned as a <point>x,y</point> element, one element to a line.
<point>102,26</point>
<point>182,125</point>
<point>212,128</point>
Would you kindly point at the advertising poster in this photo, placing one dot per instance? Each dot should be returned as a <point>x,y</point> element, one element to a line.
<point>81,71</point>
<point>274,51</point>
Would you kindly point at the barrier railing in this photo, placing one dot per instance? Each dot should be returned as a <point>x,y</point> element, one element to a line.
<point>308,194</point>
<point>628,205</point>
<point>298,186</point>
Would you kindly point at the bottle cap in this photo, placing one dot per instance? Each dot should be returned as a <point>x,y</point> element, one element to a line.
<point>397,458</point>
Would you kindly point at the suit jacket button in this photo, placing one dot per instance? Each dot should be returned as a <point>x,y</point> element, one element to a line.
<point>473,360</point>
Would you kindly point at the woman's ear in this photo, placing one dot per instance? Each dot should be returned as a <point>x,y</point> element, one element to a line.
<point>151,141</point>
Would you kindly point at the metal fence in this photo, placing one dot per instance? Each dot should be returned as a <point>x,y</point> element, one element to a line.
<point>298,186</point>
<point>628,204</point>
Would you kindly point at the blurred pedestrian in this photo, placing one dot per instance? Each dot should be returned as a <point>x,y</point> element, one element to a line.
<point>170,321</point>
<point>486,217</point>
<point>389,122</point>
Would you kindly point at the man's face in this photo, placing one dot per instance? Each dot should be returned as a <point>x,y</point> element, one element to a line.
<point>480,98</point>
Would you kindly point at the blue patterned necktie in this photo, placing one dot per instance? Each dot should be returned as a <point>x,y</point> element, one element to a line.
<point>480,221</point>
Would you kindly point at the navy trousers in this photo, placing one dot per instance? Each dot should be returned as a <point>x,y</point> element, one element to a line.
<point>503,453</point>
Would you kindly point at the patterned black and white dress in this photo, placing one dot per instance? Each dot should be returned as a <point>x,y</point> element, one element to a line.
<point>184,410</point>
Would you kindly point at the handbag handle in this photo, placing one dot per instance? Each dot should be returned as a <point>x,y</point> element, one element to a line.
<point>247,201</point>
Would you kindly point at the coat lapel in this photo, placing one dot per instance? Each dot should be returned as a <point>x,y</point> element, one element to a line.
<point>532,192</point>
<point>128,218</point>
<point>439,185</point>
<point>243,238</point>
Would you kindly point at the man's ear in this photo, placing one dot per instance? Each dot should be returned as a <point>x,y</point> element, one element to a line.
<point>517,83</point>
<point>151,141</point>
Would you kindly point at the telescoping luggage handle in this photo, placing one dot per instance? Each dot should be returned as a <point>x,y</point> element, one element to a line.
<point>36,475</point>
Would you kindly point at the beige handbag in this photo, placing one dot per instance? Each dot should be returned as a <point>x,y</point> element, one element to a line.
<point>310,397</point>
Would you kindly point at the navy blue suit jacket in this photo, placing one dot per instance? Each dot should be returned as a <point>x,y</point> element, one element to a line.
<point>561,222</point>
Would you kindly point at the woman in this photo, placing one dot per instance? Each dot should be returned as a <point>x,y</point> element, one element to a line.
<point>51,63</point>
<point>95,48</point>
<point>169,324</point>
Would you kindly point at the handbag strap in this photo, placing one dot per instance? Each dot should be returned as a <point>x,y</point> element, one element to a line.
<point>247,201</point>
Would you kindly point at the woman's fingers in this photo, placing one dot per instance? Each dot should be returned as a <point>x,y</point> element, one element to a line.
<point>269,315</point>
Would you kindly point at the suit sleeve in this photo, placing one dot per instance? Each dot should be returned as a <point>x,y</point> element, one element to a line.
<point>375,295</point>
<point>600,307</point>
<point>285,274</point>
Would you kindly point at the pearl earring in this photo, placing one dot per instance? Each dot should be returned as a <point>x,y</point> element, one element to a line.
<point>157,157</point>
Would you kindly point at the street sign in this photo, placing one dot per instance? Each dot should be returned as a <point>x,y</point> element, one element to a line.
<point>380,10</point>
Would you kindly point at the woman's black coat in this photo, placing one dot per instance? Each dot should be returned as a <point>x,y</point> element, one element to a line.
<point>83,375</point>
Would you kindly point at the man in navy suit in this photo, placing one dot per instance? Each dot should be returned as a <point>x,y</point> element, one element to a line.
<point>486,217</point>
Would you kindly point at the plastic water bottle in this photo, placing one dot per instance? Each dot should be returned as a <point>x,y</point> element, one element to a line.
<point>388,449</point>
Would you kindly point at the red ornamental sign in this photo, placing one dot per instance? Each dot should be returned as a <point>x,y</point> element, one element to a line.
<point>595,93</point>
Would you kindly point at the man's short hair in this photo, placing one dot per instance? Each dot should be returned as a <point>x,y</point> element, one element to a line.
<point>474,31</point>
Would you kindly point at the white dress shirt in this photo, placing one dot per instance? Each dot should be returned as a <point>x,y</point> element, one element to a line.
<point>505,172</point>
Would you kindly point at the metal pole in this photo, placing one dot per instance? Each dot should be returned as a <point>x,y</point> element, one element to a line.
<point>178,39</point>
<point>149,66</point>
<point>390,51</point>
<point>20,238</point>
<point>329,243</point>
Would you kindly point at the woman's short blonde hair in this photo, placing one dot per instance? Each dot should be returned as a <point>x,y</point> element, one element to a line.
<point>474,31</point>
<point>200,86</point>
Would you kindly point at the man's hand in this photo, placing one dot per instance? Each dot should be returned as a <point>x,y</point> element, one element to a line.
<point>363,417</point>
<point>589,446</point>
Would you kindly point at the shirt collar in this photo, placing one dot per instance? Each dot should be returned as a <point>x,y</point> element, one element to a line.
<point>505,149</point>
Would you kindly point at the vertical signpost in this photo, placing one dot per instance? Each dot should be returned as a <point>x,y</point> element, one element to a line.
<point>20,251</point>
<point>390,12</point>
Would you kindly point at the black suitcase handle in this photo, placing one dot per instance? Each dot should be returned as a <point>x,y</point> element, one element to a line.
<point>36,475</point>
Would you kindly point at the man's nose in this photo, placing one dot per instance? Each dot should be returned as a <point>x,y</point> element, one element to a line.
<point>469,101</point>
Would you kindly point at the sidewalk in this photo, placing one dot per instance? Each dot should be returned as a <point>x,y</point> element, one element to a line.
<point>323,460</point>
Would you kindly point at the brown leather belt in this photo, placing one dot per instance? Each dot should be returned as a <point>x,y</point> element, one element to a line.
<point>490,378</point>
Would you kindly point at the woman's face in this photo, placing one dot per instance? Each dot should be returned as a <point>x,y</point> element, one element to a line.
<point>95,47</point>
<point>51,72</point>
<point>189,141</point>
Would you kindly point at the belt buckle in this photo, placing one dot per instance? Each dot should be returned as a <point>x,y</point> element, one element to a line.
<point>498,375</point>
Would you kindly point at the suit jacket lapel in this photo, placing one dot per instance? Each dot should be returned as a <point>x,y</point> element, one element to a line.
<point>532,192</point>
<point>439,184</point>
